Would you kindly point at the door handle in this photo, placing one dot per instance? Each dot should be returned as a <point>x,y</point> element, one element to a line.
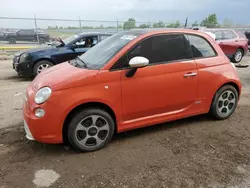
<point>190,74</point>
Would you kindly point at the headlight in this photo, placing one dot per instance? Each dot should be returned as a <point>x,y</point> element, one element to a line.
<point>23,57</point>
<point>42,95</point>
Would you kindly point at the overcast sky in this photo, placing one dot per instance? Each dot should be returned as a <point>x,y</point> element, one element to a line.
<point>141,10</point>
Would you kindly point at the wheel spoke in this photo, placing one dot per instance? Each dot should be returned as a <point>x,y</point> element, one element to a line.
<point>84,141</point>
<point>232,101</point>
<point>103,128</point>
<point>94,119</point>
<point>98,140</point>
<point>80,127</point>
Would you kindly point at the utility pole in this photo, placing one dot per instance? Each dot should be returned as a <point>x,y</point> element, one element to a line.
<point>117,25</point>
<point>186,22</point>
<point>37,36</point>
<point>80,24</point>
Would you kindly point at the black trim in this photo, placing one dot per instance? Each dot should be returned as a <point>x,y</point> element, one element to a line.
<point>166,62</point>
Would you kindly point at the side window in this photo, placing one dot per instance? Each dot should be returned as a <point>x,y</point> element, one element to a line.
<point>219,35</point>
<point>22,32</point>
<point>228,35</point>
<point>87,42</point>
<point>158,49</point>
<point>80,43</point>
<point>200,47</point>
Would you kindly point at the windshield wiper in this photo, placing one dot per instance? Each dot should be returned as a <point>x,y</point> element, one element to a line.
<point>84,64</point>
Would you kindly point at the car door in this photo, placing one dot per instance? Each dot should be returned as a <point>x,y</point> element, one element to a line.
<point>167,85</point>
<point>26,35</point>
<point>229,42</point>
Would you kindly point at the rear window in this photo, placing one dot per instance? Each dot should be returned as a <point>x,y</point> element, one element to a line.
<point>200,47</point>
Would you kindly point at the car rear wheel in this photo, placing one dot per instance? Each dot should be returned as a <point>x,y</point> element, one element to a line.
<point>12,40</point>
<point>225,102</point>
<point>90,130</point>
<point>42,41</point>
<point>41,66</point>
<point>238,56</point>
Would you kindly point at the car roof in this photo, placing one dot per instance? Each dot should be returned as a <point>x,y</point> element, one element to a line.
<point>162,30</point>
<point>93,33</point>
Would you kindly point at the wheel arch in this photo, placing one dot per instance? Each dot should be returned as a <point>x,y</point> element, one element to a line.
<point>76,109</point>
<point>44,58</point>
<point>231,83</point>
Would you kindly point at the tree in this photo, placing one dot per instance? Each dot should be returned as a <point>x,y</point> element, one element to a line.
<point>210,21</point>
<point>177,24</point>
<point>144,26</point>
<point>160,24</point>
<point>130,24</point>
<point>195,24</point>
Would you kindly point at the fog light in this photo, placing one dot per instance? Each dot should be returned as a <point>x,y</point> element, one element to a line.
<point>39,112</point>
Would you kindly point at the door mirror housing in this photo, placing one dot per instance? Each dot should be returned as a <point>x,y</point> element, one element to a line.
<point>138,62</point>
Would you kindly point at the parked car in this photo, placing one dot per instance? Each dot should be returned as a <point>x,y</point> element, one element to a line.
<point>130,80</point>
<point>27,35</point>
<point>32,62</point>
<point>233,43</point>
<point>247,33</point>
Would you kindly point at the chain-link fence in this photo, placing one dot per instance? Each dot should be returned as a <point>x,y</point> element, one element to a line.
<point>28,30</point>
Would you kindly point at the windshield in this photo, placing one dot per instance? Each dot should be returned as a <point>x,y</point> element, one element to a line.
<point>69,39</point>
<point>66,41</point>
<point>98,56</point>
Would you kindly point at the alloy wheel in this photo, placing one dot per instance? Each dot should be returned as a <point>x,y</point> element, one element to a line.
<point>226,103</point>
<point>238,55</point>
<point>92,131</point>
<point>42,67</point>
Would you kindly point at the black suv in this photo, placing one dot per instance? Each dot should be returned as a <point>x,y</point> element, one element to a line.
<point>27,35</point>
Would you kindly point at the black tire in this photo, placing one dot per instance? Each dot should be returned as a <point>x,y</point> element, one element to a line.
<point>81,117</point>
<point>214,110</point>
<point>12,40</point>
<point>235,59</point>
<point>42,41</point>
<point>39,64</point>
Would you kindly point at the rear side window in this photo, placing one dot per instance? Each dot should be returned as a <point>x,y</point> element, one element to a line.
<point>200,47</point>
<point>228,35</point>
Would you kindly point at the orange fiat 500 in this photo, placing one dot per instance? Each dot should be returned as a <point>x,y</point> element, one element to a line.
<point>133,79</point>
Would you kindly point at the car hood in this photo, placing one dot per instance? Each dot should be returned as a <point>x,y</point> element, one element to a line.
<point>41,50</point>
<point>63,76</point>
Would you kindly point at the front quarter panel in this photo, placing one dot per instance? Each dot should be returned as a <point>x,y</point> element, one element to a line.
<point>104,88</point>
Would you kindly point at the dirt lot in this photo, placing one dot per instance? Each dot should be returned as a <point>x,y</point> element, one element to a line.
<point>194,152</point>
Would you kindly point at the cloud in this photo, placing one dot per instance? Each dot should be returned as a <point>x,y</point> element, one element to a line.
<point>142,10</point>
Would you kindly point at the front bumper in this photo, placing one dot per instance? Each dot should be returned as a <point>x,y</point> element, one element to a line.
<point>22,68</point>
<point>27,131</point>
<point>47,129</point>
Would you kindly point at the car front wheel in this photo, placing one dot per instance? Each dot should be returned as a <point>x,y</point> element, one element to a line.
<point>225,102</point>
<point>41,66</point>
<point>90,129</point>
<point>238,56</point>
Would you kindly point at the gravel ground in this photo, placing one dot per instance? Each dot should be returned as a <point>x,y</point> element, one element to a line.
<point>193,152</point>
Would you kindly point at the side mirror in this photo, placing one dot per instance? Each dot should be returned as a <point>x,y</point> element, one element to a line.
<point>135,63</point>
<point>138,62</point>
